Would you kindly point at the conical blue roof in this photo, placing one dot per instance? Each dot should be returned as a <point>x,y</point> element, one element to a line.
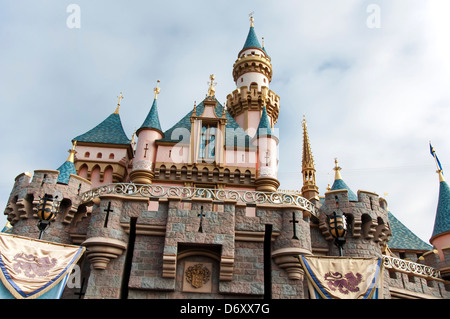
<point>152,119</point>
<point>340,184</point>
<point>252,40</point>
<point>110,131</point>
<point>65,170</point>
<point>264,127</point>
<point>442,220</point>
<point>403,237</point>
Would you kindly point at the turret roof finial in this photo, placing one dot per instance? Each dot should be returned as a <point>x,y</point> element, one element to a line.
<point>118,104</point>
<point>337,169</point>
<point>72,152</point>
<point>212,90</point>
<point>251,18</point>
<point>157,89</point>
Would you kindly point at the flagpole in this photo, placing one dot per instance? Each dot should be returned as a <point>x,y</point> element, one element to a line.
<point>438,164</point>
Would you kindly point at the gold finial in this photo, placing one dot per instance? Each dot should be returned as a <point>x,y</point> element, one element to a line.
<point>337,175</point>
<point>118,104</point>
<point>263,42</point>
<point>223,110</point>
<point>72,152</point>
<point>194,111</point>
<point>133,142</point>
<point>212,90</point>
<point>156,90</point>
<point>304,121</point>
<point>251,18</point>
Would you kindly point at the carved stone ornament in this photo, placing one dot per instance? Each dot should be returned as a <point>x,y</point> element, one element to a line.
<point>143,164</point>
<point>197,275</point>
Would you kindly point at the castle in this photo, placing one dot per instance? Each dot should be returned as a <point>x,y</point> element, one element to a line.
<point>196,210</point>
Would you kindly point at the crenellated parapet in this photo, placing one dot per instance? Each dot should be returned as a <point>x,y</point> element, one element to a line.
<point>21,209</point>
<point>252,99</point>
<point>367,220</point>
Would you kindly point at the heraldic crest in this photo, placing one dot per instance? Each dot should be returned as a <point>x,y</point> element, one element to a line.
<point>197,275</point>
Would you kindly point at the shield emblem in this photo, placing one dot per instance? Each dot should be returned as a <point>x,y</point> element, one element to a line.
<point>197,275</point>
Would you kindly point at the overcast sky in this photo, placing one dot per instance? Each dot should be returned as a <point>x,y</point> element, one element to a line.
<point>372,78</point>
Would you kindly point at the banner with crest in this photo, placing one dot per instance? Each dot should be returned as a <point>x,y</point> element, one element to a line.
<point>31,268</point>
<point>343,277</point>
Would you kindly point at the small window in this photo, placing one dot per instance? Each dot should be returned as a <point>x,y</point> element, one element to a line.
<point>111,156</point>
<point>207,143</point>
<point>242,80</point>
<point>87,154</point>
<point>99,155</point>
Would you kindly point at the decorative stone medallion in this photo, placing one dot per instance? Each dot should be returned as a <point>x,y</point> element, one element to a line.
<point>197,277</point>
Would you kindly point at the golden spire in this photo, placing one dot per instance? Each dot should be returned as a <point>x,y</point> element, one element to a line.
<point>72,152</point>
<point>337,175</point>
<point>156,90</point>
<point>212,90</point>
<point>118,104</point>
<point>307,161</point>
<point>309,189</point>
<point>251,18</point>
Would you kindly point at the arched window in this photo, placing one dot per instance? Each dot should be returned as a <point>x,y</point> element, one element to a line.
<point>111,156</point>
<point>87,154</point>
<point>99,155</point>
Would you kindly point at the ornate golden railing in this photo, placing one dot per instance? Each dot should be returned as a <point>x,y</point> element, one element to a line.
<point>410,267</point>
<point>161,191</point>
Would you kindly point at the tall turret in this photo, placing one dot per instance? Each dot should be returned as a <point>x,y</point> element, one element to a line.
<point>252,73</point>
<point>147,134</point>
<point>267,157</point>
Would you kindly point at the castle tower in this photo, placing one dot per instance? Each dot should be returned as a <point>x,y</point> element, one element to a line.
<point>309,190</point>
<point>104,151</point>
<point>440,238</point>
<point>147,134</point>
<point>252,73</point>
<point>267,156</point>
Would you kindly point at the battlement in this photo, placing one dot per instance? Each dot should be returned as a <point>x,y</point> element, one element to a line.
<point>367,219</point>
<point>413,280</point>
<point>432,258</point>
<point>28,189</point>
<point>249,99</point>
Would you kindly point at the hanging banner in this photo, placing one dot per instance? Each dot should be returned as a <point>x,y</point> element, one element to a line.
<point>343,277</point>
<point>30,268</point>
